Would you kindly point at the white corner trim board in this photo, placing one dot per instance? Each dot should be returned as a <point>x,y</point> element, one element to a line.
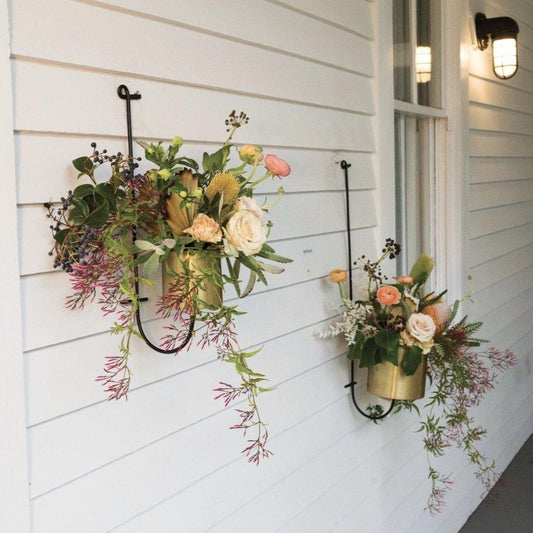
<point>14,494</point>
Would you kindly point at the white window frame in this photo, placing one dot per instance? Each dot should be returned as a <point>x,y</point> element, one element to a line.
<point>452,164</point>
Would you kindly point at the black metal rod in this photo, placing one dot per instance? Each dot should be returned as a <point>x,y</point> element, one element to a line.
<point>345,166</point>
<point>125,94</point>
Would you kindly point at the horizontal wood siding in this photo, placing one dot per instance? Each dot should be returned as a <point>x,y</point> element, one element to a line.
<point>500,245</point>
<point>304,71</point>
<point>143,463</point>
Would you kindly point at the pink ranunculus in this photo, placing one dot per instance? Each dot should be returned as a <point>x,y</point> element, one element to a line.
<point>277,166</point>
<point>405,280</point>
<point>388,295</point>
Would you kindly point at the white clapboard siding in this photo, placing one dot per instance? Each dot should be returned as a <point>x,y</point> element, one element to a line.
<point>491,246</point>
<point>343,461</point>
<point>500,250</point>
<point>502,267</point>
<point>497,194</point>
<point>268,24</point>
<point>312,170</point>
<point>487,169</point>
<point>217,66</point>
<point>337,12</point>
<point>77,372</point>
<point>294,217</point>
<point>303,70</point>
<point>489,93</point>
<point>488,299</point>
<point>367,512</point>
<point>43,330</point>
<point>509,435</point>
<point>212,498</point>
<point>507,314</point>
<point>289,404</point>
<point>502,120</point>
<point>275,123</point>
<point>496,219</point>
<point>122,418</point>
<point>500,144</point>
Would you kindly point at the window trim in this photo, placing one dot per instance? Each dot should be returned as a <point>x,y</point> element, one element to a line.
<point>451,190</point>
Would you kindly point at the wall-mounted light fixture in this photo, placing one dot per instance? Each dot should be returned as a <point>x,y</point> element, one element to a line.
<point>503,32</point>
<point>423,64</point>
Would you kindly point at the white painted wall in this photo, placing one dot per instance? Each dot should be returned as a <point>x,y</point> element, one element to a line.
<point>307,72</point>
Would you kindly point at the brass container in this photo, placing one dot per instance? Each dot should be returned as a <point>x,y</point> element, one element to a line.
<point>390,381</point>
<point>206,291</point>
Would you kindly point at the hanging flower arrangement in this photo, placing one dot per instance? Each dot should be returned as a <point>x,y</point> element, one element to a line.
<point>192,219</point>
<point>400,333</point>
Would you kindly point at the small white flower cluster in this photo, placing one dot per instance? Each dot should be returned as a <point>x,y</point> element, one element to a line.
<point>352,320</point>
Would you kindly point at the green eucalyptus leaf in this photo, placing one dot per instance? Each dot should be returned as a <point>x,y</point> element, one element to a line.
<point>356,347</point>
<point>151,266</point>
<point>251,283</point>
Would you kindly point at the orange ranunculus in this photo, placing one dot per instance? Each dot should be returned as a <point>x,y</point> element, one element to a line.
<point>388,295</point>
<point>338,275</point>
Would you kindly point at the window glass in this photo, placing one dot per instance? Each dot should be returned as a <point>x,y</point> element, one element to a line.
<point>428,53</point>
<point>402,50</point>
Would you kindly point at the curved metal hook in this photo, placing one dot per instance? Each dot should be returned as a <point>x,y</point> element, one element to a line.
<point>125,94</point>
<point>345,166</point>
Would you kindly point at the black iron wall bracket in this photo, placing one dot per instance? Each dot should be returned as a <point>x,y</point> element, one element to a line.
<point>125,94</point>
<point>345,166</point>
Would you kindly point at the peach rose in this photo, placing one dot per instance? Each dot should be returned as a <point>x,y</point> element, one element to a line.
<point>388,295</point>
<point>249,153</point>
<point>277,166</point>
<point>246,232</point>
<point>204,229</point>
<point>405,280</point>
<point>338,275</point>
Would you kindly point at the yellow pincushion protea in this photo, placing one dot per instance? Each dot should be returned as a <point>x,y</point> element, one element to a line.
<point>226,184</point>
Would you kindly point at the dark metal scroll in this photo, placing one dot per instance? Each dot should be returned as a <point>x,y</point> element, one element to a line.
<point>124,94</point>
<point>345,166</point>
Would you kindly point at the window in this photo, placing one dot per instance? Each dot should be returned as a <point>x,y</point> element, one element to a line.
<point>419,127</point>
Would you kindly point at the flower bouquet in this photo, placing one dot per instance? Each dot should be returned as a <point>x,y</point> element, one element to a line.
<point>397,330</point>
<point>112,235</point>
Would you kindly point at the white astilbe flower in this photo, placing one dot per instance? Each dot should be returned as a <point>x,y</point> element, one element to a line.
<point>353,319</point>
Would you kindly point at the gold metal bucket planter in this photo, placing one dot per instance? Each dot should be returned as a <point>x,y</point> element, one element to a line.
<point>391,382</point>
<point>205,291</point>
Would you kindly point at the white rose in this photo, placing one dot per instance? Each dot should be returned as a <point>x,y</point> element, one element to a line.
<point>250,205</point>
<point>421,327</point>
<point>246,232</point>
